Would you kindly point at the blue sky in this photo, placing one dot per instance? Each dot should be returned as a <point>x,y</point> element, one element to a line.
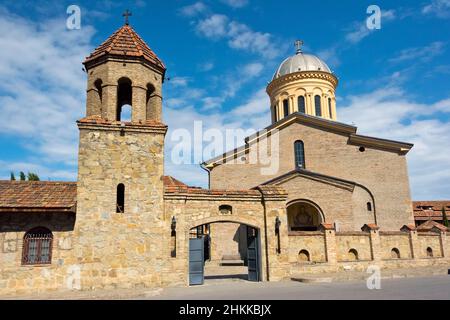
<point>394,82</point>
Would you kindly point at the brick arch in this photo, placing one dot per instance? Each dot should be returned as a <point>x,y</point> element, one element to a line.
<point>315,205</point>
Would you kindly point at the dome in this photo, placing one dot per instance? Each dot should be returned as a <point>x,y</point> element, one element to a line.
<point>301,62</point>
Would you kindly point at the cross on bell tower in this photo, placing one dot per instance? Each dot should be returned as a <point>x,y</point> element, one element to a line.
<point>298,46</point>
<point>127,14</point>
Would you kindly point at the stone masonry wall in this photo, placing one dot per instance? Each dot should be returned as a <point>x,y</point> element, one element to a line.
<point>382,172</point>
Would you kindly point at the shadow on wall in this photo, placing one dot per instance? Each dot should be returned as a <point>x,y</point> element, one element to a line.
<point>23,222</point>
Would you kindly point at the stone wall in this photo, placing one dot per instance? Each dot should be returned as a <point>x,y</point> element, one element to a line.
<point>329,251</point>
<point>383,173</point>
<point>228,240</point>
<point>18,278</point>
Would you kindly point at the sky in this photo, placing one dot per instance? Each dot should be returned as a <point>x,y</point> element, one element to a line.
<point>394,82</point>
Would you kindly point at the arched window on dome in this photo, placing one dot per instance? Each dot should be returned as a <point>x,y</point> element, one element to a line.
<point>330,108</point>
<point>124,98</point>
<point>318,105</point>
<point>286,107</point>
<point>301,104</point>
<point>299,149</point>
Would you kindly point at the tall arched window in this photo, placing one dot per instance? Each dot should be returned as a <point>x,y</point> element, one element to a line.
<point>286,107</point>
<point>330,108</point>
<point>299,155</point>
<point>120,203</point>
<point>301,104</point>
<point>99,86</point>
<point>318,105</point>
<point>124,96</point>
<point>37,246</point>
<point>274,114</point>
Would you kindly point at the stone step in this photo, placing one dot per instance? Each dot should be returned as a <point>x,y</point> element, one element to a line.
<point>231,263</point>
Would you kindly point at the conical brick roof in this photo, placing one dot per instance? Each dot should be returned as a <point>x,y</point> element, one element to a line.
<point>125,42</point>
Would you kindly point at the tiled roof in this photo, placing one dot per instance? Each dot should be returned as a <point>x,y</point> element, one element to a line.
<point>429,225</point>
<point>37,196</point>
<point>125,42</point>
<point>431,209</point>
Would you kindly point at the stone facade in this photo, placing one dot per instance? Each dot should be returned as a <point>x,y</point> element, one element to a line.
<point>125,225</point>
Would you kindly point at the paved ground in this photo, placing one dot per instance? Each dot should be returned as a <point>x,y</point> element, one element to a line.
<point>435,288</point>
<point>430,288</point>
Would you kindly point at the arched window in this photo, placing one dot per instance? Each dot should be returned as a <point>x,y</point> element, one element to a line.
<point>301,104</point>
<point>286,107</point>
<point>369,206</point>
<point>330,108</point>
<point>318,105</point>
<point>395,253</point>
<point>37,246</point>
<point>353,255</point>
<point>299,154</point>
<point>429,252</point>
<point>120,202</point>
<point>274,114</point>
<point>99,86</point>
<point>304,256</point>
<point>124,97</point>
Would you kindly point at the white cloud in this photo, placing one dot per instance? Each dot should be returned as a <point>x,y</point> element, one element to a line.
<point>423,54</point>
<point>42,86</point>
<point>193,9</point>
<point>360,30</point>
<point>439,8</point>
<point>239,35</point>
<point>236,3</point>
<point>207,66</point>
<point>389,113</point>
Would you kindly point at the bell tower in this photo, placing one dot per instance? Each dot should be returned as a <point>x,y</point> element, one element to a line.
<point>120,218</point>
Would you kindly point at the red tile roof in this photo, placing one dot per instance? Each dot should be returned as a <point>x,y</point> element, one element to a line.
<point>429,225</point>
<point>37,196</point>
<point>425,210</point>
<point>125,42</point>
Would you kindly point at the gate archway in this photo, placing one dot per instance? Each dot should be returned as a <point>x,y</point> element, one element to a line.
<point>208,244</point>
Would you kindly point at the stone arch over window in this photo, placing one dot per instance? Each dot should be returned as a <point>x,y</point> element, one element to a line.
<point>299,149</point>
<point>395,253</point>
<point>304,256</point>
<point>304,215</point>
<point>120,198</point>
<point>124,97</point>
<point>301,101</point>
<point>37,246</point>
<point>353,255</point>
<point>430,252</point>
<point>318,105</point>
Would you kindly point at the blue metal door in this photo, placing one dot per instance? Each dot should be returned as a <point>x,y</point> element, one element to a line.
<point>253,254</point>
<point>196,261</point>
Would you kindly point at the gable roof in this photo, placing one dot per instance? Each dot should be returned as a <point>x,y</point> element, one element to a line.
<point>321,124</point>
<point>341,183</point>
<point>430,225</point>
<point>37,196</point>
<point>125,42</point>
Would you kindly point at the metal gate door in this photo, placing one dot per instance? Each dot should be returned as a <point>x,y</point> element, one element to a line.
<point>252,254</point>
<point>196,261</point>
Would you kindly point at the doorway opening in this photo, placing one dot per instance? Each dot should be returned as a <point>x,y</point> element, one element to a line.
<point>228,250</point>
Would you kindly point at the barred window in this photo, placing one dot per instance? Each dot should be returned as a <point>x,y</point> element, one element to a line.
<point>301,104</point>
<point>299,155</point>
<point>37,246</point>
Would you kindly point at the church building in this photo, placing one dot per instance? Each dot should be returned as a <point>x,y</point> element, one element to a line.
<point>328,200</point>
